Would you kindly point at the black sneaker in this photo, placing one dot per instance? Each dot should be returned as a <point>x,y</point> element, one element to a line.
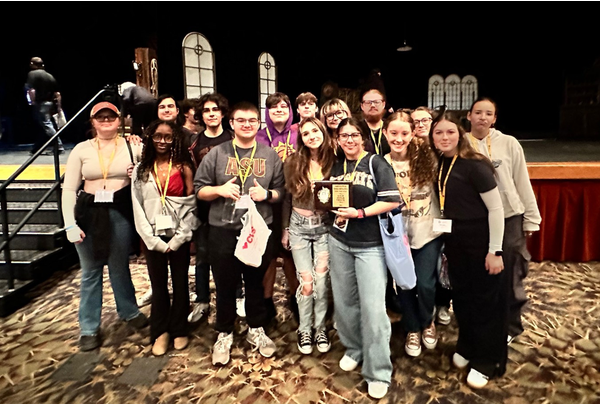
<point>322,341</point>
<point>305,342</point>
<point>89,342</point>
<point>140,321</point>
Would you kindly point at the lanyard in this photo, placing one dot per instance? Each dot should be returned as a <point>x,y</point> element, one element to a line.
<point>244,177</point>
<point>488,140</point>
<point>101,158</point>
<point>287,143</point>
<point>163,193</point>
<point>363,154</point>
<point>442,190</point>
<point>378,143</point>
<point>313,175</point>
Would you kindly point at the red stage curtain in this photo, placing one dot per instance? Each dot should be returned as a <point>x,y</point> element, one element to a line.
<point>570,228</point>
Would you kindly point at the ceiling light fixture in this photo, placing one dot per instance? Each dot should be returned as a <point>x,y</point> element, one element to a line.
<point>405,47</point>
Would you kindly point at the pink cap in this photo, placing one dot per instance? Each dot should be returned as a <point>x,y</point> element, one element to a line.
<point>104,105</point>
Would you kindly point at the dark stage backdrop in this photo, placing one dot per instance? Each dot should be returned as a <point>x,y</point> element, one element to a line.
<point>520,58</point>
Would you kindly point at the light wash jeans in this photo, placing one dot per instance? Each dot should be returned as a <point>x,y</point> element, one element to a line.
<point>90,305</point>
<point>310,250</point>
<point>358,282</point>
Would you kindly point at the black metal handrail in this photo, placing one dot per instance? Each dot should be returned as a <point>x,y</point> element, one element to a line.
<point>58,179</point>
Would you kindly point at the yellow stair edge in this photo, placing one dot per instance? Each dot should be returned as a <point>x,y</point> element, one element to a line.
<point>33,172</point>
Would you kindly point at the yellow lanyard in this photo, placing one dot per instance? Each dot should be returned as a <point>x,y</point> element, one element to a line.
<point>101,158</point>
<point>363,154</point>
<point>442,190</point>
<point>163,193</point>
<point>312,175</point>
<point>244,176</point>
<point>287,143</point>
<point>378,143</point>
<point>476,144</point>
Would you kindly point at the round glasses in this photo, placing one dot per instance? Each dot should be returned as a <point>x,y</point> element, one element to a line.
<point>157,137</point>
<point>337,114</point>
<point>423,121</point>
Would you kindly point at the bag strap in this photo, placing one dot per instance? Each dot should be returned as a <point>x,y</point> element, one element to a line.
<point>130,151</point>
<point>371,170</point>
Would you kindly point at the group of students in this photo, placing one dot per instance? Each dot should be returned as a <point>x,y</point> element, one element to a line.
<point>463,195</point>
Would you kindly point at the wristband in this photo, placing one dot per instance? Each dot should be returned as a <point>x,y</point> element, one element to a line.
<point>361,213</point>
<point>70,227</point>
<point>266,194</point>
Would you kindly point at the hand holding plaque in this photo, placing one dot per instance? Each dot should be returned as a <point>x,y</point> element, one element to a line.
<point>330,195</point>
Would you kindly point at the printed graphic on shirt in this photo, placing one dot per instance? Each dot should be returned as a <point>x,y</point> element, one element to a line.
<point>256,167</point>
<point>360,178</point>
<point>284,150</point>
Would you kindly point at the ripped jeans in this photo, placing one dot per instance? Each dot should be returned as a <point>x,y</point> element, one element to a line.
<point>309,245</point>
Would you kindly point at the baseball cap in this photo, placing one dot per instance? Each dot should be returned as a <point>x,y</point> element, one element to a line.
<point>104,105</point>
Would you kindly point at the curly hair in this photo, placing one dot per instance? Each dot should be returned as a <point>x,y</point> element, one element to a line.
<point>297,166</point>
<point>422,161</point>
<point>181,157</point>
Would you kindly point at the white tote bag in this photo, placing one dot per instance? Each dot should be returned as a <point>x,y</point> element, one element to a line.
<point>253,238</point>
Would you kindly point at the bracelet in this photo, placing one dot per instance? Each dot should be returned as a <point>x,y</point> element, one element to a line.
<point>266,194</point>
<point>70,227</point>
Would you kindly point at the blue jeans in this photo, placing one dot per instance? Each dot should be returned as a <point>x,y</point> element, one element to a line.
<point>44,128</point>
<point>311,257</point>
<point>417,303</point>
<point>92,270</point>
<point>358,282</point>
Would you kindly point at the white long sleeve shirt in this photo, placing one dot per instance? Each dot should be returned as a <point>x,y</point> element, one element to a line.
<point>514,184</point>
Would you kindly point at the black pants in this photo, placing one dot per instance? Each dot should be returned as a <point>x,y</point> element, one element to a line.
<point>167,316</point>
<point>228,272</point>
<point>480,299</point>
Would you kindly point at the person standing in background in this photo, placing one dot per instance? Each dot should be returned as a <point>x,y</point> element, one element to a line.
<point>422,118</point>
<point>307,107</point>
<point>44,98</point>
<point>281,137</point>
<point>139,105</point>
<point>192,124</point>
<point>521,214</point>
<point>213,108</point>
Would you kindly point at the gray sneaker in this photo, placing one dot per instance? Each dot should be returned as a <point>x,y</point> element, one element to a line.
<point>199,312</point>
<point>146,299</point>
<point>222,349</point>
<point>259,340</point>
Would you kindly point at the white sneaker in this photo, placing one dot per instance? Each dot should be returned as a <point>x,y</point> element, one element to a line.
<point>259,340</point>
<point>240,306</point>
<point>378,389</point>
<point>459,361</point>
<point>146,299</point>
<point>222,349</point>
<point>348,364</point>
<point>476,379</point>
<point>412,346</point>
<point>443,315</point>
<point>199,312</point>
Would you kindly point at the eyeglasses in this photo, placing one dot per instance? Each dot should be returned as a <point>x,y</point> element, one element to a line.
<point>423,121</point>
<point>341,114</point>
<point>251,121</point>
<point>105,118</point>
<point>345,136</point>
<point>372,102</point>
<point>157,137</point>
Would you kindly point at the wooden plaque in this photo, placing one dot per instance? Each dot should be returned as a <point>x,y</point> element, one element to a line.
<point>331,195</point>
